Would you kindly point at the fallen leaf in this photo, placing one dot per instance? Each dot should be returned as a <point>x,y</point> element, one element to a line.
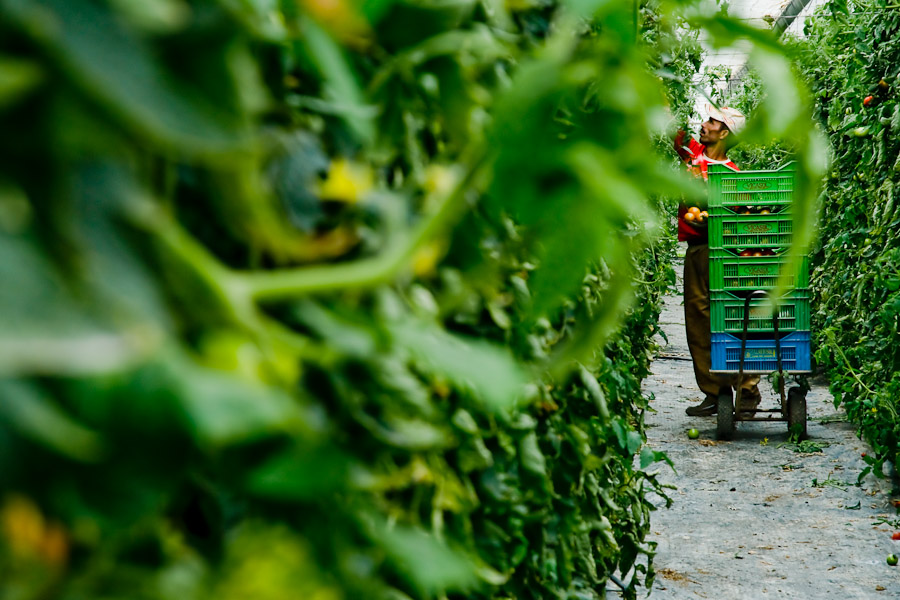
<point>672,575</point>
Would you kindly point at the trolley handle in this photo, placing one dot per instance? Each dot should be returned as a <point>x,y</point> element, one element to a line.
<point>753,296</point>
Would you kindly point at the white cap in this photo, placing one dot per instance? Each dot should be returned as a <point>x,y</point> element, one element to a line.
<point>733,118</point>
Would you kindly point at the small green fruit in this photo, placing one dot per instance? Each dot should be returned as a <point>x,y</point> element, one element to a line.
<point>693,434</point>
<point>892,560</point>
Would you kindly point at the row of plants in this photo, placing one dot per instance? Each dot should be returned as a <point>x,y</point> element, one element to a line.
<point>327,300</point>
<point>335,299</point>
<point>851,58</point>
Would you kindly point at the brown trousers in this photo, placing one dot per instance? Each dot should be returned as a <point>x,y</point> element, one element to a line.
<point>697,324</point>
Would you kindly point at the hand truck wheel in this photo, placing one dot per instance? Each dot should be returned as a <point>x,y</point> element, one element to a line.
<point>725,417</point>
<point>796,412</point>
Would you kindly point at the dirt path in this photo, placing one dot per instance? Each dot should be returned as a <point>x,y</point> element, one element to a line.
<point>753,518</point>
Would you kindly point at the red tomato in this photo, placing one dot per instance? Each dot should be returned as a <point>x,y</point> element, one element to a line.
<point>896,535</point>
<point>867,100</point>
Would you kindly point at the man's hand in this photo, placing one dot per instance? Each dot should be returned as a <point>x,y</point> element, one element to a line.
<point>679,144</point>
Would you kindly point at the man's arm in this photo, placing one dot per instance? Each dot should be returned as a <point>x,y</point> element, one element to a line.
<point>679,146</point>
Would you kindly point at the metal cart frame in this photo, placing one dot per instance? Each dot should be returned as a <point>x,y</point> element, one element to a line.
<point>793,404</point>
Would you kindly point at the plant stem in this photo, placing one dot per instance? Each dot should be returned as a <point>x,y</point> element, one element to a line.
<point>368,272</point>
<point>844,357</point>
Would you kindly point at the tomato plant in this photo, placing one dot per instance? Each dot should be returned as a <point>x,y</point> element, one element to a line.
<point>335,299</point>
<point>850,54</point>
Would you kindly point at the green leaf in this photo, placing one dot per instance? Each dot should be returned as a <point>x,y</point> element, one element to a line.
<point>620,431</point>
<point>46,330</point>
<point>352,338</point>
<point>464,420</point>
<point>158,16</point>
<point>633,441</point>
<point>783,101</point>
<point>564,259</point>
<point>115,67</point>
<point>426,563</point>
<point>340,81</point>
<point>648,457</point>
<point>489,371</point>
<point>617,197</point>
<point>530,456</point>
<point>299,474</point>
<point>480,44</point>
<point>32,414</point>
<point>405,432</point>
<point>222,410</point>
<point>17,78</point>
<point>595,391</point>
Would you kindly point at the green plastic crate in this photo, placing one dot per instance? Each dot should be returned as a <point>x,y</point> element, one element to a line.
<point>728,187</point>
<point>727,311</point>
<point>740,232</point>
<point>731,273</point>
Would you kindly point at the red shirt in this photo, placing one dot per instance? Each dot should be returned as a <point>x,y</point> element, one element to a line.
<point>697,163</point>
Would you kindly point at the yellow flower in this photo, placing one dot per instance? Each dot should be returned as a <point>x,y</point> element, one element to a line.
<point>29,535</point>
<point>439,178</point>
<point>341,18</point>
<point>427,258</point>
<point>23,525</point>
<point>347,181</point>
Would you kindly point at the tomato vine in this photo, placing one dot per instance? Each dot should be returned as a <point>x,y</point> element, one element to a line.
<point>850,59</point>
<point>334,299</point>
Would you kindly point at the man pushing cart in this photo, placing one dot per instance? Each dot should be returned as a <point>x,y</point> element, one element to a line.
<point>737,249</point>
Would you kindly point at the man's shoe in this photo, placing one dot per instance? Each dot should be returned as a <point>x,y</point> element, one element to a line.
<point>706,408</point>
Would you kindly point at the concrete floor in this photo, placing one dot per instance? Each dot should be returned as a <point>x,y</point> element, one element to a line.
<point>752,518</point>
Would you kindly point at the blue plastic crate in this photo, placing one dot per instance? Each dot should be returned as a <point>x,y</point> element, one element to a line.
<point>759,356</point>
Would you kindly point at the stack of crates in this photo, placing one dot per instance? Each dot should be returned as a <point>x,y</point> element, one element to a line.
<point>750,226</point>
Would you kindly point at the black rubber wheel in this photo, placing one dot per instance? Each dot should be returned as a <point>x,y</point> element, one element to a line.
<point>725,417</point>
<point>796,416</point>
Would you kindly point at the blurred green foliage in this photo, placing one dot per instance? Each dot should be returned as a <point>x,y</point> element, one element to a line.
<point>746,97</point>
<point>851,55</point>
<point>335,300</point>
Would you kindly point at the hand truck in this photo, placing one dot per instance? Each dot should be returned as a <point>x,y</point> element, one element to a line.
<point>793,404</point>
